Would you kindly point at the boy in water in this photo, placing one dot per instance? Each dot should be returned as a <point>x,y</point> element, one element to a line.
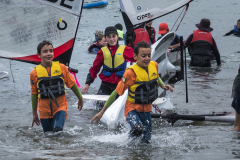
<point>235,30</point>
<point>48,90</point>
<point>95,47</point>
<point>142,81</point>
<point>97,33</point>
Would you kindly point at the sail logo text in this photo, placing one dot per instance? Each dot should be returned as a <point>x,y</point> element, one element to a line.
<point>62,3</point>
<point>148,15</point>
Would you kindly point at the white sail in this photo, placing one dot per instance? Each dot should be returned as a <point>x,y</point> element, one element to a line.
<point>139,11</point>
<point>25,23</point>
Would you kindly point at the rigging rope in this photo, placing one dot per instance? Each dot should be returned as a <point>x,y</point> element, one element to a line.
<point>186,8</point>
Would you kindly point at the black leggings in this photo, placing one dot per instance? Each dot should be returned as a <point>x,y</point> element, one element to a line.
<point>106,88</point>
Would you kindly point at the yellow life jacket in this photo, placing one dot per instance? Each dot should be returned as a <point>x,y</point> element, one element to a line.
<point>145,88</point>
<point>114,64</point>
<point>50,86</point>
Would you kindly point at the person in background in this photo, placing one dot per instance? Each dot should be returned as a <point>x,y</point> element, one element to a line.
<point>163,29</point>
<point>235,30</point>
<point>151,31</point>
<point>113,60</point>
<point>121,35</point>
<point>135,79</point>
<point>236,101</point>
<point>119,28</point>
<point>97,33</point>
<point>95,47</point>
<point>202,45</point>
<point>48,81</point>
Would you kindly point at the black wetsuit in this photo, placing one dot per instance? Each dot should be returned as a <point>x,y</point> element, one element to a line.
<point>213,48</point>
<point>232,32</point>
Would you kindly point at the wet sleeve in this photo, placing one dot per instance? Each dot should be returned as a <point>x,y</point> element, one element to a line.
<point>34,100</point>
<point>68,78</point>
<point>160,82</point>
<point>114,95</point>
<point>33,82</point>
<point>76,91</point>
<point>127,80</point>
<point>229,33</point>
<point>216,52</point>
<point>188,40</point>
<point>97,64</point>
<point>89,79</point>
<point>128,54</point>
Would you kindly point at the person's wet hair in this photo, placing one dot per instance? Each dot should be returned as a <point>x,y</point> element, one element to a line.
<point>42,44</point>
<point>100,37</point>
<point>238,20</point>
<point>141,44</point>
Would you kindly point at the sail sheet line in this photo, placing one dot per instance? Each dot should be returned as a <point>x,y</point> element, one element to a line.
<point>186,9</point>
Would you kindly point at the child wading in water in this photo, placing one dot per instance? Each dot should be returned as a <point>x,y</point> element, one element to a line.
<point>142,81</point>
<point>48,90</point>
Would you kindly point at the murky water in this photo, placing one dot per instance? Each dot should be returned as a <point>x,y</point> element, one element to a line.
<point>209,90</point>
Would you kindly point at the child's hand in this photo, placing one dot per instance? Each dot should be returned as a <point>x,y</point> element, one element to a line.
<point>80,103</point>
<point>36,120</point>
<point>97,117</point>
<point>167,87</point>
<point>85,89</point>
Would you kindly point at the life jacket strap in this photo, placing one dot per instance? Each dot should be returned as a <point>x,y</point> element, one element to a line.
<point>113,70</point>
<point>49,78</point>
<point>53,97</point>
<point>146,82</point>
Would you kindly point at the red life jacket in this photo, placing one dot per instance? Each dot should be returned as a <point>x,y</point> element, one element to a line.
<point>202,35</point>
<point>93,45</point>
<point>141,35</point>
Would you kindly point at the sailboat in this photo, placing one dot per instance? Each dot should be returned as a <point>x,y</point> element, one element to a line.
<point>25,23</point>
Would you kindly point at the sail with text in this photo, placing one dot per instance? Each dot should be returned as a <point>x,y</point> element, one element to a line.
<point>137,12</point>
<point>25,23</point>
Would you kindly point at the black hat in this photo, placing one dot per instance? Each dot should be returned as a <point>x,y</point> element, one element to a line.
<point>110,29</point>
<point>204,25</point>
<point>119,26</point>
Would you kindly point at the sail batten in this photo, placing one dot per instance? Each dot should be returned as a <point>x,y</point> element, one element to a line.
<point>25,23</point>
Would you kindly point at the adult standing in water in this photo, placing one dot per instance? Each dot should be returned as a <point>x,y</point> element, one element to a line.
<point>113,59</point>
<point>202,45</point>
<point>236,101</point>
